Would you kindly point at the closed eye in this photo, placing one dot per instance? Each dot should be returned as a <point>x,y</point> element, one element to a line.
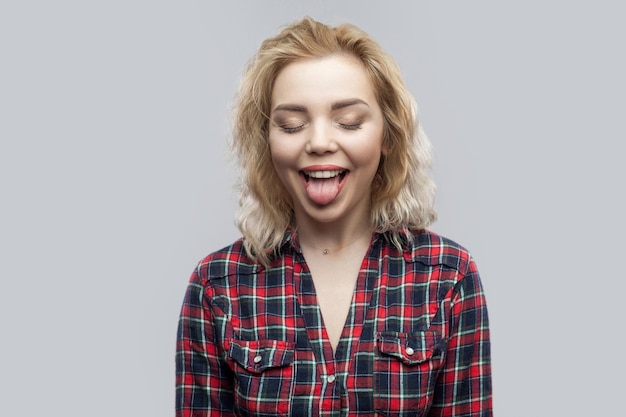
<point>350,126</point>
<point>291,129</point>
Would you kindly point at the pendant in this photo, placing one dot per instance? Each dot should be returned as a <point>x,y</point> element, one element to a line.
<point>325,252</point>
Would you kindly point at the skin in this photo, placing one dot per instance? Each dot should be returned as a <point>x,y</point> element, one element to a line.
<point>325,117</point>
<point>307,131</point>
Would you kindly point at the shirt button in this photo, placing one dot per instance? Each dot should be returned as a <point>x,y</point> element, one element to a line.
<point>330,379</point>
<point>258,358</point>
<point>409,351</point>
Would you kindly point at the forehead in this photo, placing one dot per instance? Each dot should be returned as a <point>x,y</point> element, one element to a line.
<point>330,78</point>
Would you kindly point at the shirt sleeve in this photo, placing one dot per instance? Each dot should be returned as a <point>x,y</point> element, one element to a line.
<point>203,379</point>
<point>464,385</point>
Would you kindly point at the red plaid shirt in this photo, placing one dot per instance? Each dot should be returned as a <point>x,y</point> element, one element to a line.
<point>251,340</point>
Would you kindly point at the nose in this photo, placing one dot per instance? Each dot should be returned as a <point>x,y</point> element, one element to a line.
<point>321,139</point>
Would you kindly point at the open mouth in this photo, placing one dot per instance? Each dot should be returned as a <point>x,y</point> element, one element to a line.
<point>322,175</point>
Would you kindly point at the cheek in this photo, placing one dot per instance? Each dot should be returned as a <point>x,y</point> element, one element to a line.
<point>281,169</point>
<point>369,153</point>
<point>283,158</point>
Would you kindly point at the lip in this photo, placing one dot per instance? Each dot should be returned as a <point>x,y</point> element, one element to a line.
<point>325,167</point>
<point>308,170</point>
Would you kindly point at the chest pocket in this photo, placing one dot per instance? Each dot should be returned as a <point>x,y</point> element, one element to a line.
<point>264,373</point>
<point>405,371</point>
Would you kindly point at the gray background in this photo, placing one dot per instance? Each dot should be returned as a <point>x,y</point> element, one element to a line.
<point>114,183</point>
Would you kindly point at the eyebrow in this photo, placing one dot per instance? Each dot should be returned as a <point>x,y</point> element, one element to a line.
<point>347,103</point>
<point>335,106</point>
<point>291,107</point>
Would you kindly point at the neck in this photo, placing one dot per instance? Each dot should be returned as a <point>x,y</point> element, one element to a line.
<point>332,239</point>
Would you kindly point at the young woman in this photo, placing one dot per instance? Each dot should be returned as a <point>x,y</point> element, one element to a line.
<point>337,300</point>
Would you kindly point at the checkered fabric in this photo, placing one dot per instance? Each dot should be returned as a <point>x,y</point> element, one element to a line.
<point>251,340</point>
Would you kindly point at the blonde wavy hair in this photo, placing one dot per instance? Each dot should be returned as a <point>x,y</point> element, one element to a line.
<point>402,190</point>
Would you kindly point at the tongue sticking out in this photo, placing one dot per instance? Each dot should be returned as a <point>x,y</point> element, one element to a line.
<point>323,191</point>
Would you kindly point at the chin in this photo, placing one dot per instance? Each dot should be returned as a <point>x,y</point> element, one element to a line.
<point>325,214</point>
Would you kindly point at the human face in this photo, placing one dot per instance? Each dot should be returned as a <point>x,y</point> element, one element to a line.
<point>325,137</point>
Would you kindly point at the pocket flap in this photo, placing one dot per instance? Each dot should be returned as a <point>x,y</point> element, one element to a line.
<point>258,355</point>
<point>411,348</point>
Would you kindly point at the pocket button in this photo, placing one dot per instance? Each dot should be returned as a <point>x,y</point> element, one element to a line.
<point>258,358</point>
<point>410,351</point>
